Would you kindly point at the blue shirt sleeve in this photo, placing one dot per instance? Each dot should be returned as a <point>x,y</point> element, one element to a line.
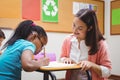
<point>30,46</point>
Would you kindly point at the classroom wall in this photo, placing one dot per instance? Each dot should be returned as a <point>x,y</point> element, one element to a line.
<point>113,41</point>
<point>55,42</point>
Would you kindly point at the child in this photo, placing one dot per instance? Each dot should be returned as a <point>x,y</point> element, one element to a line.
<point>2,37</point>
<point>27,40</point>
<point>87,47</point>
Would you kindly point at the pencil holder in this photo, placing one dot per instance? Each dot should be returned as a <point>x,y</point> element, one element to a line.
<point>51,56</point>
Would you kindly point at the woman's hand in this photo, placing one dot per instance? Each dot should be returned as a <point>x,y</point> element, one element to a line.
<point>67,60</point>
<point>85,65</point>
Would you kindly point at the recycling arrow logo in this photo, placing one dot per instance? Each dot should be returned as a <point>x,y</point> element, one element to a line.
<point>50,8</point>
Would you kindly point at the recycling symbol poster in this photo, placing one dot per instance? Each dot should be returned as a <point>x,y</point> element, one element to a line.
<point>50,10</point>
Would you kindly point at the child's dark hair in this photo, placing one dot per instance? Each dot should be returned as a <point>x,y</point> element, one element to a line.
<point>94,35</point>
<point>24,29</point>
<point>2,35</point>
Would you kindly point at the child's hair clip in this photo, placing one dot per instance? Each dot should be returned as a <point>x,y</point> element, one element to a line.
<point>33,24</point>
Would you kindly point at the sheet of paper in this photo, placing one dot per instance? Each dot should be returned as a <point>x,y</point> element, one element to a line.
<point>58,64</point>
<point>75,7</point>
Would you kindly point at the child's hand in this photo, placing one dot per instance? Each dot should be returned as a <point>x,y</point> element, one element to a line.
<point>44,61</point>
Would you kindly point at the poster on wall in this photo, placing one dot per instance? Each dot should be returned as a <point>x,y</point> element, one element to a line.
<point>115,18</point>
<point>31,9</point>
<point>50,10</point>
<point>79,5</point>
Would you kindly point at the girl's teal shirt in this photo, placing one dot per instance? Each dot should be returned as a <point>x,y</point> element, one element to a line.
<point>10,60</point>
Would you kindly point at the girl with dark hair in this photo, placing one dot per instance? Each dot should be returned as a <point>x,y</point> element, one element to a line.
<point>27,40</point>
<point>87,47</point>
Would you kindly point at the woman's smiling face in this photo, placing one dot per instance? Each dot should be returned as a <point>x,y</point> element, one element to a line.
<point>79,28</point>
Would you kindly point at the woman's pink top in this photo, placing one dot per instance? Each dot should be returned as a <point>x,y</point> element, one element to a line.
<point>100,58</point>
